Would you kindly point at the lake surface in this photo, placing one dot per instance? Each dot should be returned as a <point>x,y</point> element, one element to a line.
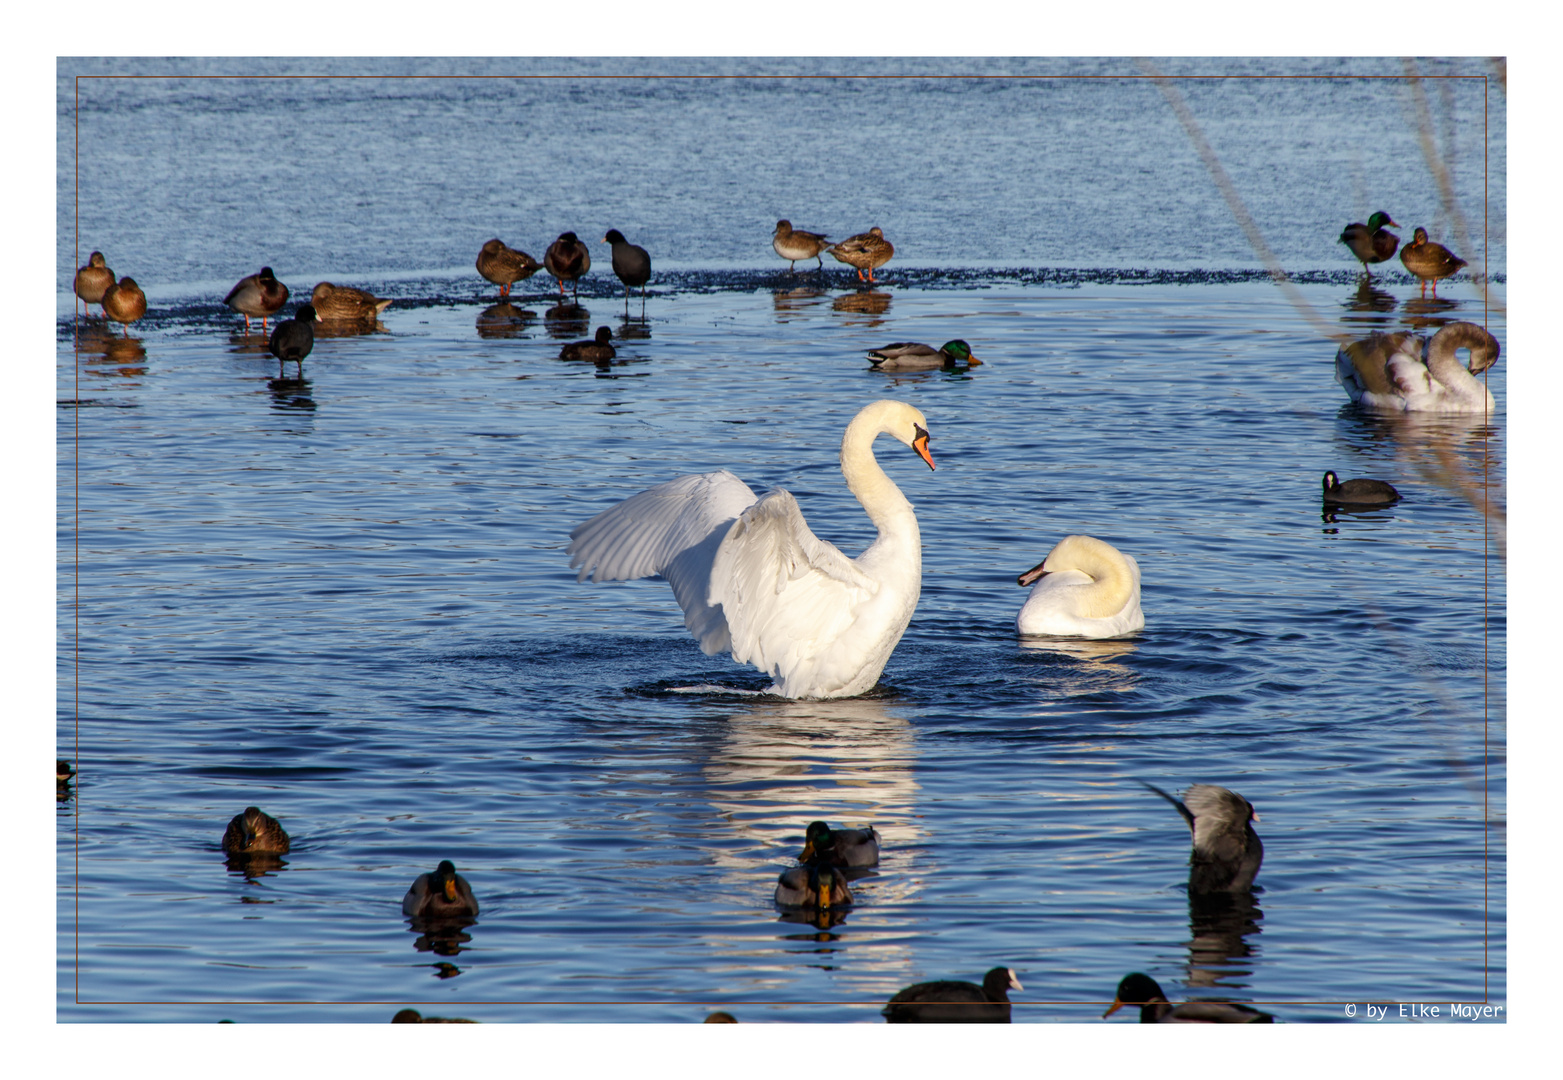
<point>344,597</point>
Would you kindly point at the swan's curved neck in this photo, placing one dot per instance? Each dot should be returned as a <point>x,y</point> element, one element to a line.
<point>1445,366</point>
<point>1111,586</point>
<point>880,497</point>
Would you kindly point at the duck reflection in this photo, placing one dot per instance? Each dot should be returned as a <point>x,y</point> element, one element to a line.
<point>337,328</point>
<point>1082,665</point>
<point>869,303</point>
<point>1369,299</point>
<point>1431,312</point>
<point>1220,925</point>
<point>504,320</point>
<point>255,864</point>
<point>441,935</point>
<point>792,302</point>
<point>107,353</point>
<point>245,343</point>
<point>632,329</point>
<point>568,320</point>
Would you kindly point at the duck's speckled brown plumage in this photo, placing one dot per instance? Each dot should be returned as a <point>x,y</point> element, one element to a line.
<point>1429,261</point>
<point>124,302</point>
<point>260,295</point>
<point>343,303</point>
<point>255,833</point>
<point>794,244</point>
<point>567,259</point>
<point>505,266</point>
<point>865,251</point>
<point>93,279</point>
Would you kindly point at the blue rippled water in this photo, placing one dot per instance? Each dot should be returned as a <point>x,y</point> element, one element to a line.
<point>344,597</point>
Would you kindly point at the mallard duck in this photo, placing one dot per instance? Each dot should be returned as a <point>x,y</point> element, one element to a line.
<point>505,266</point>
<point>413,1016</point>
<point>260,295</point>
<point>1142,990</point>
<point>255,833</point>
<point>1427,260</point>
<point>1371,243</point>
<point>866,251</point>
<point>442,894</point>
<point>720,1017</point>
<point>843,847</point>
<point>915,356</point>
<point>1084,588</point>
<point>597,351</point>
<point>794,244</point>
<point>1227,852</point>
<point>294,338</point>
<point>343,303</point>
<point>813,886</point>
<point>950,1001</point>
<point>567,259</point>
<point>62,773</point>
<point>631,263</point>
<point>1360,492</point>
<point>1400,372</point>
<point>124,302</point>
<point>93,280</point>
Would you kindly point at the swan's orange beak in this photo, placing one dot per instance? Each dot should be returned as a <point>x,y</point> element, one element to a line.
<point>1117,1004</point>
<point>920,444</point>
<point>1033,574</point>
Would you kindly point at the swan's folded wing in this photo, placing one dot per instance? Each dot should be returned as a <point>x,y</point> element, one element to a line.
<point>673,529</point>
<point>787,594</point>
<point>1410,378</point>
<point>1360,364</point>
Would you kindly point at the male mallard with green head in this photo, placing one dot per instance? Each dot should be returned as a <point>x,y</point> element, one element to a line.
<point>1371,243</point>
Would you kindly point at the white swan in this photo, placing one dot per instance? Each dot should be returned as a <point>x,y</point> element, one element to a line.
<point>1084,588</point>
<point>1400,372</point>
<point>753,579</point>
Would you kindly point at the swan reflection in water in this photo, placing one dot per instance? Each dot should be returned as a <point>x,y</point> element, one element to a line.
<point>1081,665</point>
<point>504,320</point>
<point>567,321</point>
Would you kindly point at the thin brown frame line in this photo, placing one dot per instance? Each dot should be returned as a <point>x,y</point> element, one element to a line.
<point>1486,456</point>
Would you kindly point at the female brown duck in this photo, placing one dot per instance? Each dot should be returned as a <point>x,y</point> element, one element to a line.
<point>124,302</point>
<point>866,251</point>
<point>343,303</point>
<point>93,280</point>
<point>255,833</point>
<point>794,244</point>
<point>1429,261</point>
<point>505,266</point>
<point>567,259</point>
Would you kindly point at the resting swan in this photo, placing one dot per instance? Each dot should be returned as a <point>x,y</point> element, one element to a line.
<point>1399,372</point>
<point>752,577</point>
<point>1084,588</point>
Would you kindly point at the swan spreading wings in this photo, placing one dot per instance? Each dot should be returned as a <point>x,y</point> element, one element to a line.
<point>752,577</point>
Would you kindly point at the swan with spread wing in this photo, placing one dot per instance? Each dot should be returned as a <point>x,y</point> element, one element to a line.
<point>752,577</point>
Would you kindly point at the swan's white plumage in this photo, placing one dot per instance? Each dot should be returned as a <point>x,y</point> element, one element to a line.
<point>1084,588</point>
<point>1401,372</point>
<point>753,578</point>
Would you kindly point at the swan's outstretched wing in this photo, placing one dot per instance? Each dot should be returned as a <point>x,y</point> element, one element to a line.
<point>673,529</point>
<point>789,596</point>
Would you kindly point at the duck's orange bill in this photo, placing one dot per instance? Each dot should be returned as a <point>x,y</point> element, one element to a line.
<point>1117,1004</point>
<point>450,888</point>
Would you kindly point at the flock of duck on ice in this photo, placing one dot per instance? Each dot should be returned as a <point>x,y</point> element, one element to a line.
<point>753,579</point>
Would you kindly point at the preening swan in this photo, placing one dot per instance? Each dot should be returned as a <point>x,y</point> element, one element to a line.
<point>1399,372</point>
<point>752,577</point>
<point>1084,588</point>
